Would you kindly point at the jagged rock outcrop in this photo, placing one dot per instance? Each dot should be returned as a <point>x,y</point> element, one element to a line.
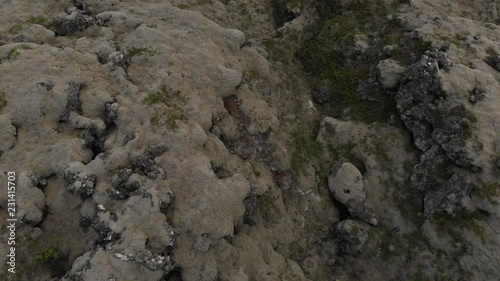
<point>440,131</point>
<point>74,21</point>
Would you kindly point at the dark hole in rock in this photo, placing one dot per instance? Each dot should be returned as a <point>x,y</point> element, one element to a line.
<point>342,209</point>
<point>164,208</point>
<point>220,171</point>
<point>321,95</point>
<point>59,267</point>
<point>232,104</point>
<point>174,275</point>
<point>230,237</point>
<point>250,203</point>
<point>84,222</point>
<point>73,102</point>
<point>358,163</point>
<point>102,58</point>
<point>281,15</point>
<point>94,140</point>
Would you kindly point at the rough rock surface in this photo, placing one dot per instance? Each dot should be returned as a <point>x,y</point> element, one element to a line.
<point>352,237</point>
<point>346,185</point>
<point>390,73</point>
<point>182,140</point>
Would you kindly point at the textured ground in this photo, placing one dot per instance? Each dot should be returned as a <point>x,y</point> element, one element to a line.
<point>251,140</point>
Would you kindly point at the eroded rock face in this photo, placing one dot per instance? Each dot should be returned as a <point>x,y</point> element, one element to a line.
<point>440,132</point>
<point>417,100</point>
<point>447,197</point>
<point>76,21</point>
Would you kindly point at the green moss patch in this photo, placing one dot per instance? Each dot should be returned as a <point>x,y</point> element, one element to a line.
<point>170,111</point>
<point>305,149</point>
<point>328,56</point>
<point>489,190</point>
<point>22,26</point>
<point>15,52</point>
<point>141,52</point>
<point>453,225</point>
<point>48,255</point>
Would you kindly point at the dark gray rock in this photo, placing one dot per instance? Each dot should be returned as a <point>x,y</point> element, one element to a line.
<point>94,139</point>
<point>431,171</point>
<point>123,186</point>
<point>448,196</point>
<point>73,102</point>
<point>110,112</point>
<point>106,235</point>
<point>439,131</point>
<point>38,182</point>
<point>494,61</point>
<point>451,130</point>
<point>85,186</point>
<point>75,22</point>
<point>79,184</point>
<point>420,102</point>
<point>441,59</point>
<point>476,96</point>
<point>18,38</point>
<point>120,59</point>
<point>361,211</point>
<point>157,150</point>
<point>417,99</point>
<point>250,203</point>
<point>145,164</point>
<point>321,95</point>
<point>83,6</point>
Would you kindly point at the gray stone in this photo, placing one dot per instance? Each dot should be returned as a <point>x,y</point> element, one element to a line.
<point>30,201</point>
<point>346,185</point>
<point>73,102</point>
<point>390,73</point>
<point>88,208</point>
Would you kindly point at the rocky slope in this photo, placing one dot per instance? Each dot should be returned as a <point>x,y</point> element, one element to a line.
<point>251,140</point>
